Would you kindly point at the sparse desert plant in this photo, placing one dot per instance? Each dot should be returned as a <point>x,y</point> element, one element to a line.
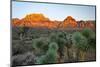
<point>23,59</point>
<point>22,32</point>
<point>81,44</point>
<point>20,47</point>
<point>15,32</point>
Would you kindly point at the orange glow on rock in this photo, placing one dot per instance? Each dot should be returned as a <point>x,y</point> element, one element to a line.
<point>39,20</point>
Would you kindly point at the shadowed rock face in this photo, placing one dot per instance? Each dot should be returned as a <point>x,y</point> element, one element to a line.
<point>84,24</point>
<point>39,20</point>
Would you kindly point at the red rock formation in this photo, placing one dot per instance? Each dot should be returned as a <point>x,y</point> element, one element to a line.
<point>15,22</point>
<point>90,24</point>
<point>39,20</point>
<point>86,24</point>
<point>36,18</point>
<point>69,22</point>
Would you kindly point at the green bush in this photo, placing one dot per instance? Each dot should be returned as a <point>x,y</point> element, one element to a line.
<point>91,37</point>
<point>40,45</point>
<point>69,40</point>
<point>60,39</point>
<point>50,56</point>
<point>53,46</point>
<point>81,44</point>
<point>87,33</point>
<point>53,37</point>
<point>80,41</point>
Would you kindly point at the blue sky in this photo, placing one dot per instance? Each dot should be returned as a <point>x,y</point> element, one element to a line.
<point>53,11</point>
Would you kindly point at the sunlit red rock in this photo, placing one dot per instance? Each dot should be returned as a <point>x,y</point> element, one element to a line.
<point>15,21</point>
<point>36,18</point>
<point>69,22</point>
<point>39,20</point>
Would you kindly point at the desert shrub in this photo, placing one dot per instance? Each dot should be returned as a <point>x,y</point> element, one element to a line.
<point>50,56</point>
<point>69,40</point>
<point>22,32</point>
<point>90,35</point>
<point>20,47</point>
<point>81,44</point>
<point>41,60</point>
<point>92,42</point>
<point>63,39</point>
<point>53,37</point>
<point>68,44</point>
<point>15,31</point>
<point>53,46</point>
<point>19,32</point>
<point>52,53</point>
<point>87,32</point>
<point>23,59</point>
<point>61,34</point>
<point>80,41</point>
<point>40,45</point>
<point>60,39</point>
<point>65,43</point>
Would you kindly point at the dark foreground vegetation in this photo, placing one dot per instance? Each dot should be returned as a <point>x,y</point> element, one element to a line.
<point>31,46</point>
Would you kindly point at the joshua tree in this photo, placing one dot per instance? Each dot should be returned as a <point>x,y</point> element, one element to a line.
<point>90,35</point>
<point>60,39</point>
<point>52,53</point>
<point>68,46</point>
<point>81,44</point>
<point>22,32</point>
<point>40,45</point>
<point>50,56</point>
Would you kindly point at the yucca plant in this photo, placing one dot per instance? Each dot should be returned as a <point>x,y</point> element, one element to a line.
<point>22,32</point>
<point>60,39</point>
<point>81,44</point>
<point>69,45</point>
<point>40,45</point>
<point>91,37</point>
<point>50,56</point>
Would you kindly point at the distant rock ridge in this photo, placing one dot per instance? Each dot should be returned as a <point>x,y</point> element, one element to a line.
<point>39,20</point>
